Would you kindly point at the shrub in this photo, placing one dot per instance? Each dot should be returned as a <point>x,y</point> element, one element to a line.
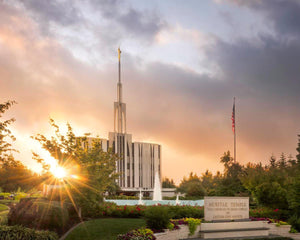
<point>157,217</point>
<point>40,215</point>
<point>107,209</point>
<point>293,230</point>
<point>295,222</point>
<point>170,226</point>
<point>22,233</point>
<point>178,212</point>
<point>139,234</point>
<point>112,210</point>
<point>193,223</point>
<point>271,194</point>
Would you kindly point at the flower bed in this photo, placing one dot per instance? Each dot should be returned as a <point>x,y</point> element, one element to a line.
<point>182,228</point>
<point>278,214</point>
<point>112,210</point>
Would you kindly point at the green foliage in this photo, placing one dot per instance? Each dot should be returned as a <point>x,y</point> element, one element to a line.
<point>298,150</point>
<point>271,194</point>
<point>125,197</point>
<point>271,213</point>
<point>293,230</point>
<point>22,233</point>
<point>112,210</point>
<point>294,196</point>
<point>13,173</point>
<point>14,176</point>
<point>5,146</point>
<point>157,217</point>
<point>283,223</point>
<point>138,234</point>
<point>192,186</point>
<point>105,228</point>
<point>272,185</point>
<point>186,211</point>
<point>94,167</point>
<point>170,226</point>
<point>230,183</point>
<point>168,183</point>
<point>192,223</point>
<point>295,222</point>
<point>38,214</point>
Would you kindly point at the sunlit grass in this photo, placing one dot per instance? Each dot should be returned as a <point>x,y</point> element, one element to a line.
<point>107,228</point>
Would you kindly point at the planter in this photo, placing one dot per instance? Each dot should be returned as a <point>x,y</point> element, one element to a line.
<point>280,230</point>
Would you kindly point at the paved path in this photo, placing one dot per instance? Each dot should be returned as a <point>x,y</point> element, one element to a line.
<point>69,231</point>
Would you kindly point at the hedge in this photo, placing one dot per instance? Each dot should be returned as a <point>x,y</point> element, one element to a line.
<point>22,233</point>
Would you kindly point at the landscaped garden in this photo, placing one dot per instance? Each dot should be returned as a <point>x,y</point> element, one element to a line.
<point>74,193</point>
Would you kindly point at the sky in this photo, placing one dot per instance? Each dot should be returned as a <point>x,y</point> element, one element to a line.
<point>182,64</point>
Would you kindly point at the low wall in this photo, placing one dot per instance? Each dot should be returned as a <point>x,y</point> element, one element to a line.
<point>280,230</point>
<point>181,233</point>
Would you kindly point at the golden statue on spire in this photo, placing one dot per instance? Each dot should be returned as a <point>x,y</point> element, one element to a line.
<point>119,53</point>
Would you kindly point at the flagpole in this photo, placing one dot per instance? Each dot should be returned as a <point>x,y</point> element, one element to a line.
<point>234,131</point>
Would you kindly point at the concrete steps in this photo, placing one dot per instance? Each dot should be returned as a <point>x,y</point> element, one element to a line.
<point>234,229</point>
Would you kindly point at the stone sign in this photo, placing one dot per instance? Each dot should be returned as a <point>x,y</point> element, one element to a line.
<point>226,208</point>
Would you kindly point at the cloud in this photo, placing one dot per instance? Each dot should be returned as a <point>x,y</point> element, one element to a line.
<point>188,112</point>
<point>47,12</point>
<point>283,14</point>
<point>145,24</point>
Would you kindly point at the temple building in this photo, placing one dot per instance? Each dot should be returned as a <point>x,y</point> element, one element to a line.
<point>139,161</point>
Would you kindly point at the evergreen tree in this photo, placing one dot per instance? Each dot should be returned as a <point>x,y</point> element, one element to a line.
<point>272,161</point>
<point>282,161</point>
<point>298,150</point>
<point>168,183</point>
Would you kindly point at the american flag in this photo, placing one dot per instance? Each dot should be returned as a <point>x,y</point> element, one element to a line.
<point>233,116</point>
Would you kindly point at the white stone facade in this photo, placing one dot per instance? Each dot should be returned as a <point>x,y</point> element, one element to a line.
<point>139,161</point>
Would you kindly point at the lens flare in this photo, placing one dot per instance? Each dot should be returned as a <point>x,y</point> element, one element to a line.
<point>59,172</point>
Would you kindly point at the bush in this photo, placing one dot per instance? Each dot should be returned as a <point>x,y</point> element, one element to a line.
<point>295,222</point>
<point>138,234</point>
<point>112,210</point>
<point>277,214</point>
<point>186,211</point>
<point>22,233</point>
<point>40,215</point>
<point>271,194</point>
<point>170,226</point>
<point>193,223</point>
<point>157,217</point>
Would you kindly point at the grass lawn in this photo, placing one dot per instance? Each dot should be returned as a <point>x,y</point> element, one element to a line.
<point>105,228</point>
